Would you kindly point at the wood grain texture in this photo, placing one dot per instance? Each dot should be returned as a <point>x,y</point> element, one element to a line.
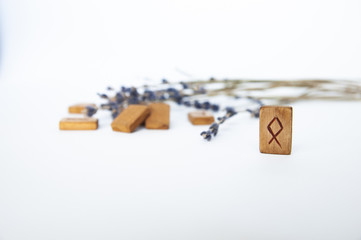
<point>201,118</point>
<point>80,107</point>
<point>159,116</point>
<point>275,129</point>
<point>130,118</point>
<point>78,124</point>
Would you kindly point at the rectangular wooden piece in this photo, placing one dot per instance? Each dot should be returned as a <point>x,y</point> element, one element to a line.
<point>201,118</point>
<point>275,129</point>
<point>80,108</point>
<point>159,116</point>
<point>78,124</point>
<point>130,118</point>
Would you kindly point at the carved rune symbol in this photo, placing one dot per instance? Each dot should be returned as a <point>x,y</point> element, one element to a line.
<point>274,135</point>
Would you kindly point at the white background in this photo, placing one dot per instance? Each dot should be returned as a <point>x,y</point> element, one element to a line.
<point>171,184</point>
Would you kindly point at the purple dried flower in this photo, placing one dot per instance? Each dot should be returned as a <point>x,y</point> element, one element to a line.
<point>197,104</point>
<point>215,107</point>
<point>221,119</point>
<point>125,89</point>
<point>162,97</point>
<point>133,100</point>
<point>102,95</point>
<point>258,101</point>
<point>206,105</point>
<point>206,135</point>
<point>115,113</point>
<point>90,110</point>
<point>119,97</point>
<point>149,95</point>
<point>184,85</point>
<point>230,112</point>
<point>213,129</point>
<point>134,92</point>
<point>254,113</point>
<point>187,103</point>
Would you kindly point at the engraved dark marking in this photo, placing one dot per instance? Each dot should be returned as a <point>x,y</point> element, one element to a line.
<point>274,135</point>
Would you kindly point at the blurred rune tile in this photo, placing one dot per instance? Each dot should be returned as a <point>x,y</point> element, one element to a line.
<point>275,130</point>
<point>201,118</point>
<point>130,118</point>
<point>79,108</point>
<point>78,124</point>
<point>159,116</point>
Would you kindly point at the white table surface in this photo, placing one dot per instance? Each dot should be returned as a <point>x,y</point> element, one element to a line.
<point>172,184</point>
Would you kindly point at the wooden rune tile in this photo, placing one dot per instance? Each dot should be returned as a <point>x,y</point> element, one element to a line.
<point>159,116</point>
<point>201,118</point>
<point>79,108</point>
<point>78,124</point>
<point>130,118</point>
<point>275,129</point>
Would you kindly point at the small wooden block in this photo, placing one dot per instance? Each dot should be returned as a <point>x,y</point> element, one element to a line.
<point>78,124</point>
<point>79,108</point>
<point>201,118</point>
<point>130,118</point>
<point>275,129</point>
<point>159,116</point>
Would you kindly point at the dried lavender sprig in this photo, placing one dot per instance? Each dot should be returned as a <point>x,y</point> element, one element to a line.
<point>254,113</point>
<point>90,111</point>
<point>230,112</point>
<point>213,129</point>
<point>131,95</point>
<point>122,98</point>
<point>314,88</point>
<point>339,89</point>
<point>181,92</point>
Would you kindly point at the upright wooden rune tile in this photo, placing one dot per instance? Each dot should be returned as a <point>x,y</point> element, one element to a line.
<point>130,118</point>
<point>275,130</point>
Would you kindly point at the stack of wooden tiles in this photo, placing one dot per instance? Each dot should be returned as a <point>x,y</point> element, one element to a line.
<point>155,116</point>
<point>83,123</point>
